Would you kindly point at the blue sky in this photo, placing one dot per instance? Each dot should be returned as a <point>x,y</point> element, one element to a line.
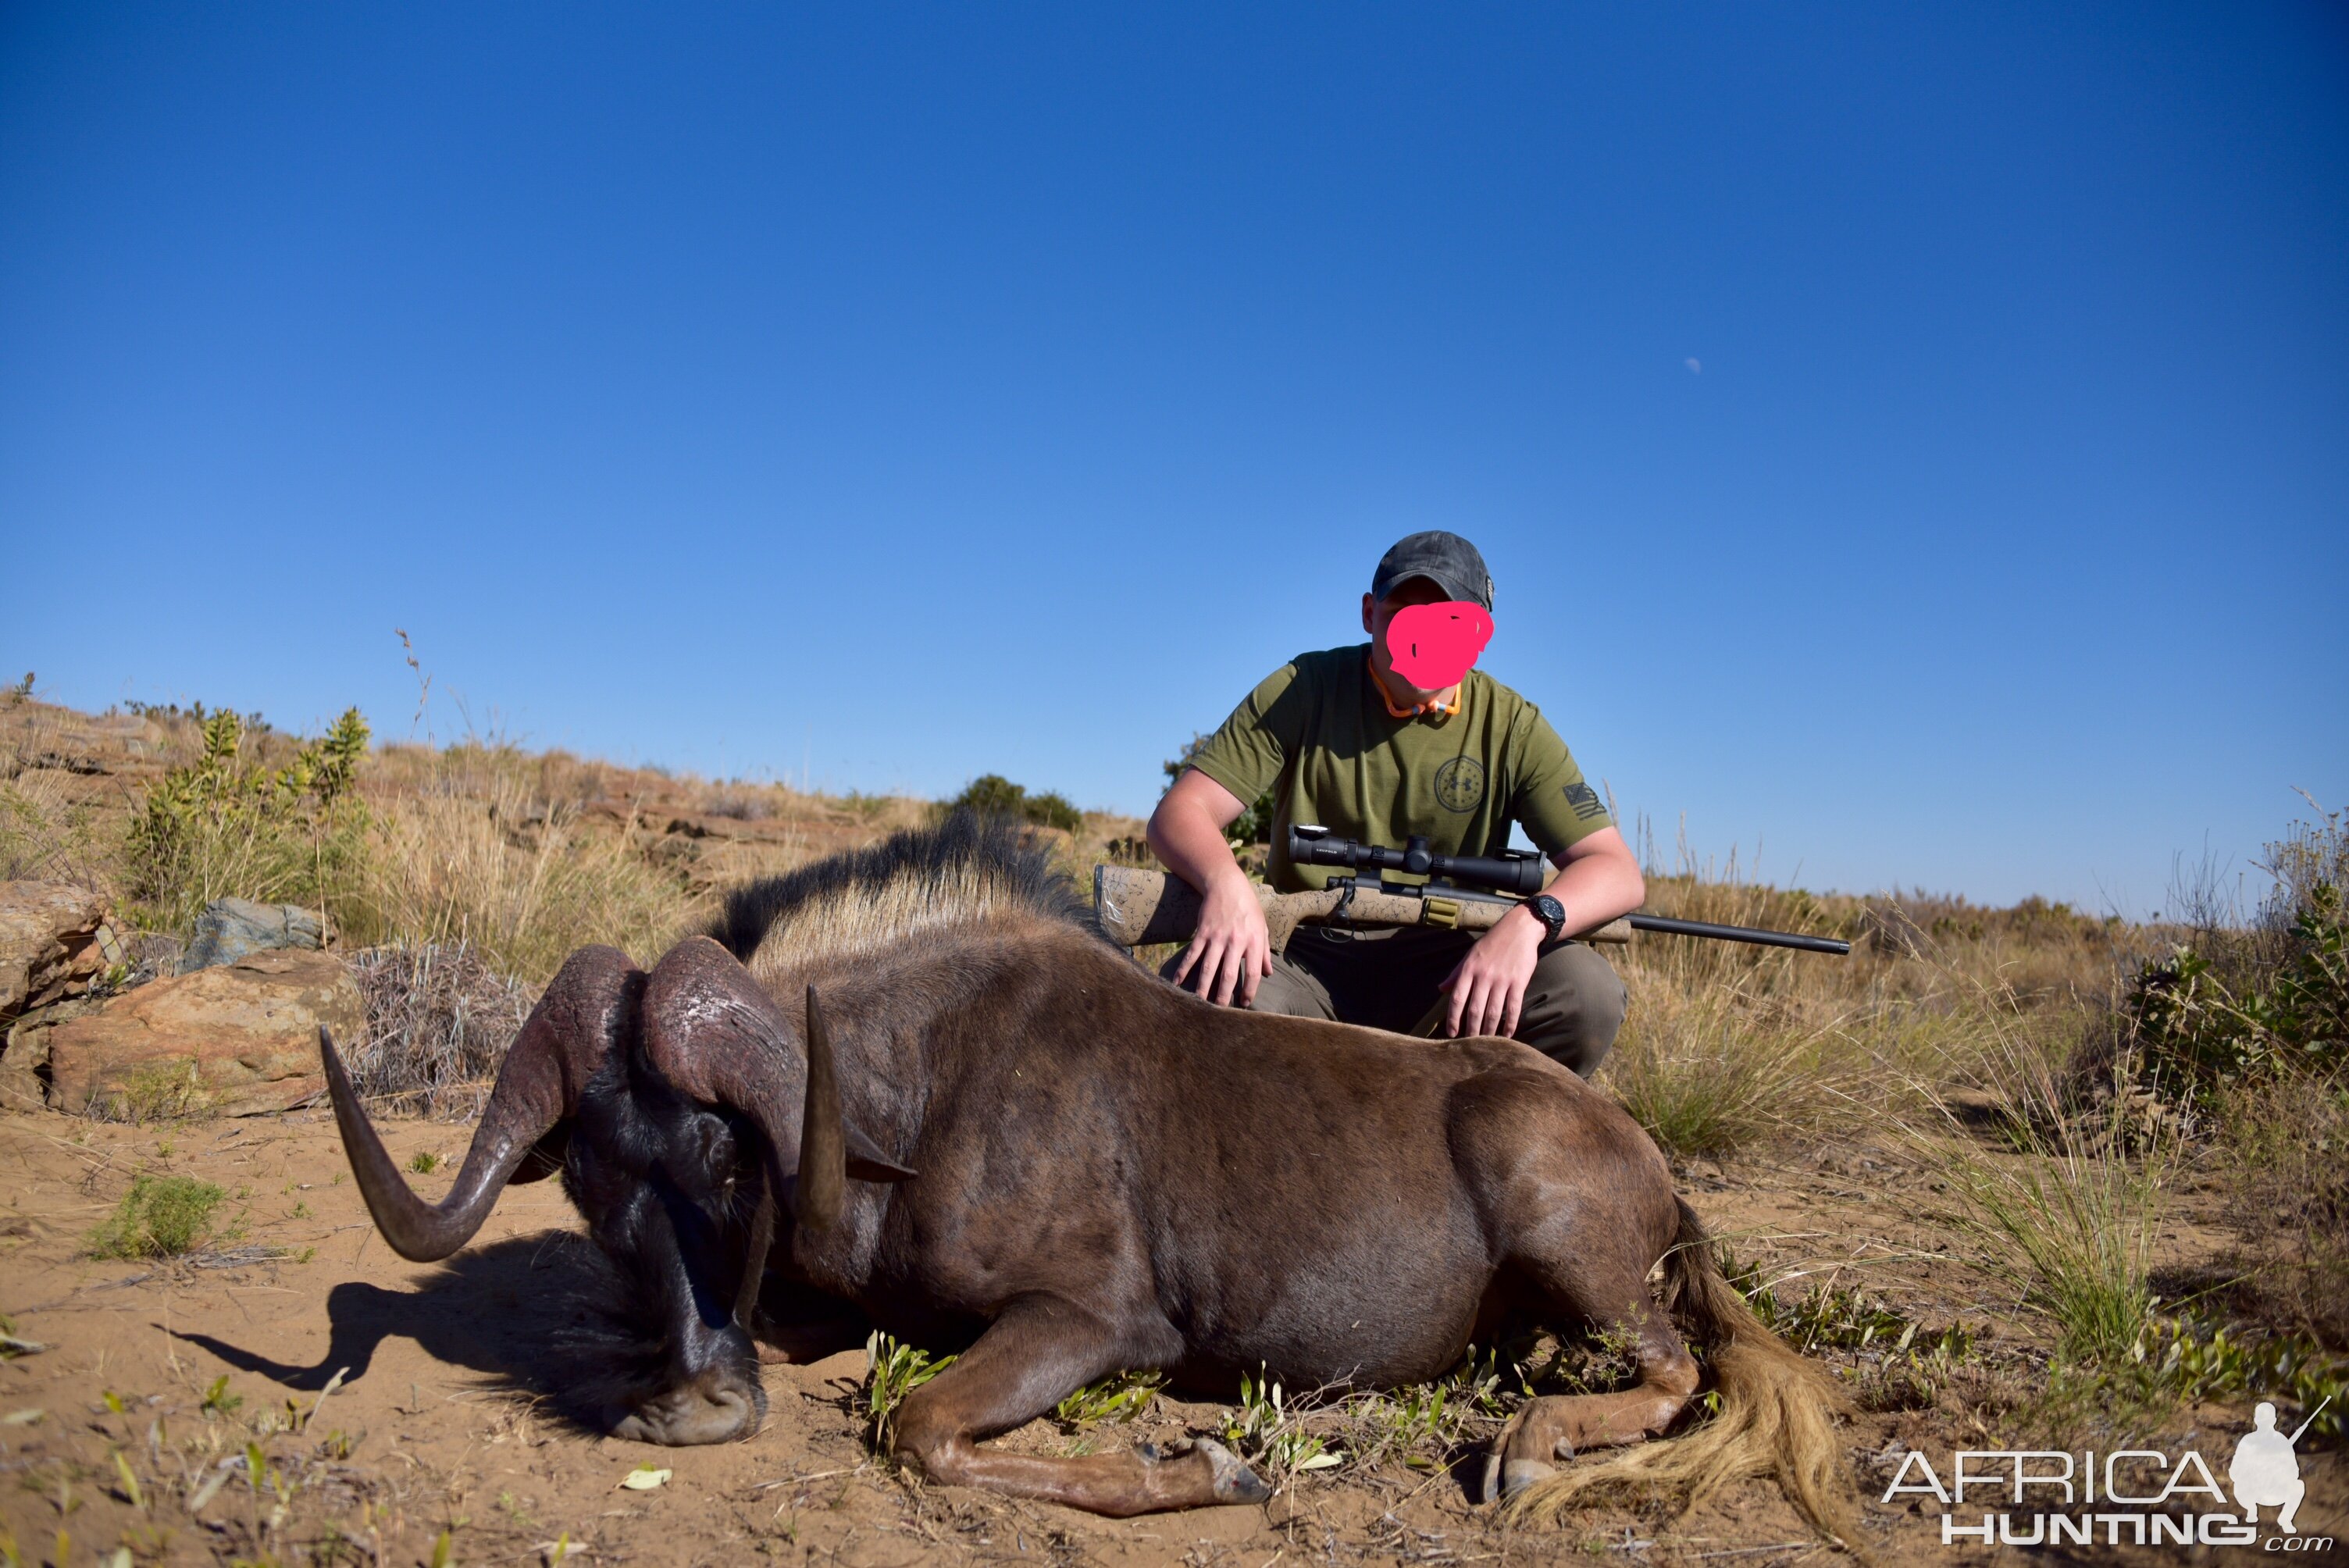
<point>1914,441</point>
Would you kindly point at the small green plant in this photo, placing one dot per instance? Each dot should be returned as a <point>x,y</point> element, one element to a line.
<point>893,1370</point>
<point>152,1091</point>
<point>867,808</point>
<point>1121,1398</point>
<point>424,1162</point>
<point>2271,997</point>
<point>991,794</point>
<point>160,1217</point>
<point>2201,1360</point>
<point>1841,1318</point>
<point>218,1401</point>
<point>1400,1424</point>
<point>1264,1429</point>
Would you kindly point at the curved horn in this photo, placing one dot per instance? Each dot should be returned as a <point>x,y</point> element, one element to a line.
<point>824,1143</point>
<point>717,1036</point>
<point>570,1034</point>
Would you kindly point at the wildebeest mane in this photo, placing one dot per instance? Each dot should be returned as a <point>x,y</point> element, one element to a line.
<point>967,870</point>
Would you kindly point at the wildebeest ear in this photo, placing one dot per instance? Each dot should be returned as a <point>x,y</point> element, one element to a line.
<point>867,1163</point>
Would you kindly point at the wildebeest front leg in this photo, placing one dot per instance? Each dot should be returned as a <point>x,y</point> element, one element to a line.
<point>1034,1355</point>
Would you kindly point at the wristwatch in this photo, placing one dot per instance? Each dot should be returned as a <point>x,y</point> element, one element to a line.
<point>1550,913</point>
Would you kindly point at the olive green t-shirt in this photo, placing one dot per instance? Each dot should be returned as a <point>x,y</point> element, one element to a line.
<point>1318,729</point>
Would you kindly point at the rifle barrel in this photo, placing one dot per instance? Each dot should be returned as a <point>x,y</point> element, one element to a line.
<point>1738,933</point>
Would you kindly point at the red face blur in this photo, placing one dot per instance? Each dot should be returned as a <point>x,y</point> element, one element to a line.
<point>1422,643</point>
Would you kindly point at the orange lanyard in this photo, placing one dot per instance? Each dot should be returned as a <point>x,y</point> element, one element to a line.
<point>1435,704</point>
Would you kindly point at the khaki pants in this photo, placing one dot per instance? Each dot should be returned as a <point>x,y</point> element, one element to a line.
<point>1387,979</point>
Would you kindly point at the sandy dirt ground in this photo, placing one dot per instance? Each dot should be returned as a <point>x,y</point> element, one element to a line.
<point>381,1412</point>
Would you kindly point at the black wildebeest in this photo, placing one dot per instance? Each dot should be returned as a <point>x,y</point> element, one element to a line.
<point>916,1080</point>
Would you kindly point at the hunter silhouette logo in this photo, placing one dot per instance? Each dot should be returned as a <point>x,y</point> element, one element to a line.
<point>2265,1471</point>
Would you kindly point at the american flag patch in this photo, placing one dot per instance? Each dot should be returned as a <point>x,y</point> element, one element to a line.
<point>1585,800</point>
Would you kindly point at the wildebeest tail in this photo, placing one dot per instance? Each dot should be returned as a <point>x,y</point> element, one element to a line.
<point>1775,1413</point>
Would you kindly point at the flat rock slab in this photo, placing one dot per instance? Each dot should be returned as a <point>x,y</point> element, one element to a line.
<point>238,1037</point>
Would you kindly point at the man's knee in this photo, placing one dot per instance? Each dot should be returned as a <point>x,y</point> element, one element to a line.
<point>1574,1005</point>
<point>1292,992</point>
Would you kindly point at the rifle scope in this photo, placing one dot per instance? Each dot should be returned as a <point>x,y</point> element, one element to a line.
<point>1515,870</point>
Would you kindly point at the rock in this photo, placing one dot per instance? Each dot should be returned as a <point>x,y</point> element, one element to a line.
<point>234,928</point>
<point>50,945</point>
<point>21,1082</point>
<point>239,1037</point>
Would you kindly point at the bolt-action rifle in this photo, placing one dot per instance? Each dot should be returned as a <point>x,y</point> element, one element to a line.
<point>1461,892</point>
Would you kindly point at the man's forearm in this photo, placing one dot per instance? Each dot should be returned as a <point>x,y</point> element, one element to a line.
<point>1595,889</point>
<point>1191,845</point>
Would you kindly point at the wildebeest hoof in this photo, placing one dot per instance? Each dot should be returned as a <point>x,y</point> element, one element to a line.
<point>1509,1477</point>
<point>693,1413</point>
<point>1234,1482</point>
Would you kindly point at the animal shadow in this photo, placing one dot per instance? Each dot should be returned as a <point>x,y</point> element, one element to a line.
<point>533,1314</point>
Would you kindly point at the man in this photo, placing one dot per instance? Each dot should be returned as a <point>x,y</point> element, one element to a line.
<point>1352,743</point>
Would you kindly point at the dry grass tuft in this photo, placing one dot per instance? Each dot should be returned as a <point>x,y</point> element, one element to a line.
<point>2062,1201</point>
<point>439,1019</point>
<point>520,879</point>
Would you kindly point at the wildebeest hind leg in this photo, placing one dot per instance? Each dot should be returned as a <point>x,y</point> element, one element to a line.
<point>1035,1355</point>
<point>1556,1426</point>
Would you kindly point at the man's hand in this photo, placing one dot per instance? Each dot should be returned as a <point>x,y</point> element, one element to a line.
<point>1488,986</point>
<point>1231,950</point>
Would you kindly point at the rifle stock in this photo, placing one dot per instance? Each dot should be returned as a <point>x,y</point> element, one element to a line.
<point>1140,907</point>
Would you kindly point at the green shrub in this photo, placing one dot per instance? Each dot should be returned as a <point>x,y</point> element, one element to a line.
<point>226,826</point>
<point>160,1217</point>
<point>2196,1029</point>
<point>2238,1003</point>
<point>991,794</point>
